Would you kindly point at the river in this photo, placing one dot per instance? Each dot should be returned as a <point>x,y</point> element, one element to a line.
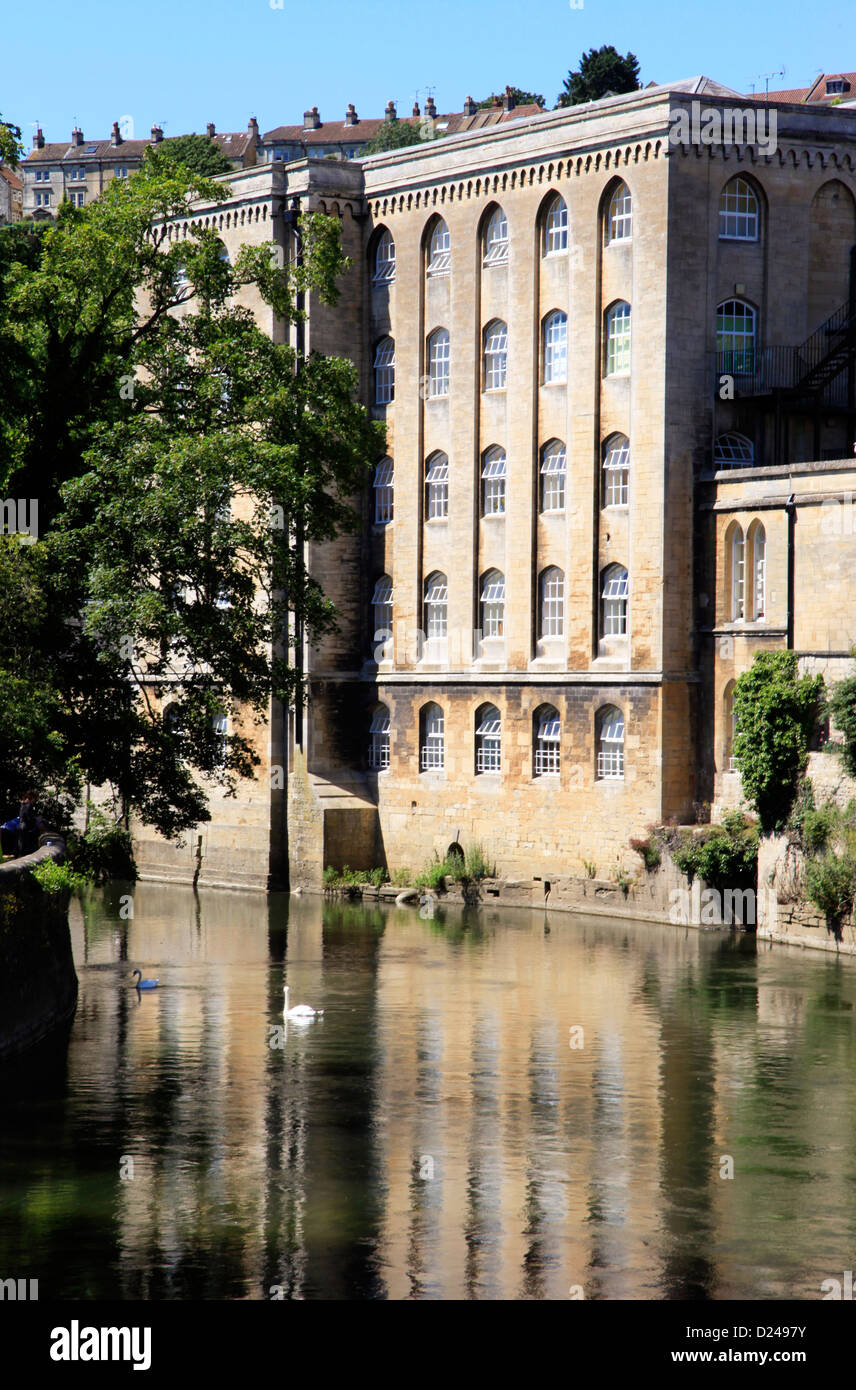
<point>496,1104</point>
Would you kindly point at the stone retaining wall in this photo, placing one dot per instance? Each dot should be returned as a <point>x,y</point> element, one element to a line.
<point>38,983</point>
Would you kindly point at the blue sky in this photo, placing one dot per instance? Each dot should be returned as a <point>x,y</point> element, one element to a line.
<point>186,62</point>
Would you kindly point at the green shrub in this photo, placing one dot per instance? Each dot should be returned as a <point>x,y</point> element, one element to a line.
<point>831,884</point>
<point>330,877</point>
<point>477,863</point>
<point>590,868</point>
<point>402,878</point>
<point>56,878</point>
<point>104,851</point>
<point>842,706</point>
<point>776,712</point>
<point>724,856</point>
<point>649,849</point>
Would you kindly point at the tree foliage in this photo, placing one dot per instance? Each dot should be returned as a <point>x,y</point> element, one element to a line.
<point>519,96</point>
<point>11,148</point>
<point>198,153</point>
<point>601,71</point>
<point>842,707</point>
<point>397,135</point>
<point>776,712</point>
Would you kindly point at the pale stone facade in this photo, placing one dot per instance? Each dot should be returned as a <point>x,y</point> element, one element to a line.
<point>685,297</point>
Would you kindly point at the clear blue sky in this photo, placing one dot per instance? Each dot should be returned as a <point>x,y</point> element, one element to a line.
<point>186,62</point>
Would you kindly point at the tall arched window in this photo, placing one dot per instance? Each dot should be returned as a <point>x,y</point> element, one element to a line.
<point>493,482</point>
<point>547,730</point>
<point>614,601</point>
<point>553,469</point>
<point>551,603</point>
<point>495,356</point>
<point>617,356</point>
<point>383,260</point>
<point>555,226</point>
<point>555,346</point>
<point>172,720</point>
<point>436,605</point>
<point>438,363</point>
<point>619,215</point>
<point>616,471</point>
<point>379,739</point>
<point>758,561</point>
<point>496,238</point>
<point>432,739</point>
<point>383,492</point>
<point>384,370</point>
<point>439,249</point>
<point>492,604</point>
<point>733,451</point>
<point>488,739</point>
<point>738,574</point>
<point>735,336</point>
<point>729,728</point>
<point>220,733</point>
<point>437,487</point>
<point>610,743</point>
<point>382,609</point>
<point>738,211</point>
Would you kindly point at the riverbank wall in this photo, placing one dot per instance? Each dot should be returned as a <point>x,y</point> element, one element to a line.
<point>38,982</point>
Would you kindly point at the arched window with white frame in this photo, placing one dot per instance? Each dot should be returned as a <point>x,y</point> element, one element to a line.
<point>439,249</point>
<point>738,211</point>
<point>554,336</point>
<point>438,363</point>
<point>609,724</point>
<point>432,738</point>
<point>729,728</point>
<point>384,371</point>
<point>613,607</point>
<point>616,471</point>
<point>383,259</point>
<point>553,471</point>
<point>436,605</point>
<point>488,739</point>
<point>618,224</point>
<point>551,603</point>
<point>493,481</point>
<point>496,239</point>
<point>617,335</point>
<point>495,356</point>
<point>379,739</point>
<point>382,609</point>
<point>555,226</point>
<point>492,604</point>
<point>735,336</point>
<point>547,736</point>
<point>757,541</point>
<point>736,552</point>
<point>383,488</point>
<point>437,487</point>
<point>732,450</point>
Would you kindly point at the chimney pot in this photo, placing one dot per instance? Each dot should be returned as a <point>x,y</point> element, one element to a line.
<point>415,112</point>
<point>157,134</point>
<point>38,140</point>
<point>508,100</point>
<point>390,113</point>
<point>77,136</point>
<point>351,117</point>
<point>211,130</point>
<point>430,108</point>
<point>116,136</point>
<point>470,107</point>
<point>311,119</point>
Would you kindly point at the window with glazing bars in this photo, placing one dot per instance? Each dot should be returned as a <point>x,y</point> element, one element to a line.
<point>619,221</point>
<point>495,356</point>
<point>738,577</point>
<point>556,226</point>
<point>496,239</point>
<point>384,368</point>
<point>439,250</point>
<point>548,732</point>
<point>437,488</point>
<point>493,482</point>
<point>618,339</point>
<point>493,604</point>
<point>759,557</point>
<point>382,608</point>
<point>432,751</point>
<point>733,451</point>
<point>738,211</point>
<point>610,745</point>
<point>379,739</point>
<point>488,740</point>
<point>735,336</point>
<point>616,471</point>
<point>552,603</point>
<point>384,491</point>
<point>436,606</point>
<point>438,363</point>
<point>556,347</point>
<point>384,260</point>
<point>615,591</point>
<point>553,476</point>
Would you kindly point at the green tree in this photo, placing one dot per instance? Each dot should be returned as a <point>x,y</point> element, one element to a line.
<point>601,71</point>
<point>776,712</point>
<point>842,707</point>
<point>396,135</point>
<point>520,97</point>
<point>196,152</point>
<point>11,148</point>
<point>193,454</point>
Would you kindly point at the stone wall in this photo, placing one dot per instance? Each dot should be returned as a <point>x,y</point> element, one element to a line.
<point>38,983</point>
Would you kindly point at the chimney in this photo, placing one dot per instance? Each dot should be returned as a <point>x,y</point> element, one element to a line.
<point>157,134</point>
<point>390,114</point>
<point>430,108</point>
<point>38,140</point>
<point>311,119</point>
<point>351,116</point>
<point>116,136</point>
<point>77,136</point>
<point>416,113</point>
<point>508,100</point>
<point>211,130</point>
<point>470,107</point>
<point>253,127</point>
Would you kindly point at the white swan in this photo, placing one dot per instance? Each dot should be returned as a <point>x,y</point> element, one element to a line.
<point>300,1012</point>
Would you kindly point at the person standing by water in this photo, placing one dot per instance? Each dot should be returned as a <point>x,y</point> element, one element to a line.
<point>27,824</point>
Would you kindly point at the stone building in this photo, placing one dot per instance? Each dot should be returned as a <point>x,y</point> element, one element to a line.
<point>81,169</point>
<point>11,196</point>
<point>614,349</point>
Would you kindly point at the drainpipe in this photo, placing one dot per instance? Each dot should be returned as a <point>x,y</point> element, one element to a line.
<point>291,219</point>
<point>790,508</point>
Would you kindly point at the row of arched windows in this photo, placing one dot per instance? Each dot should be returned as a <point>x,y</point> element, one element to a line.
<point>746,576</point>
<point>739,220</point>
<point>614,597</point>
<point>494,236</point>
<point>493,476</point>
<point>554,354</point>
<point>487,741</point>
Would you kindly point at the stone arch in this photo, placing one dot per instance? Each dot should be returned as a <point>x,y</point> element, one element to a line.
<point>832,235</point>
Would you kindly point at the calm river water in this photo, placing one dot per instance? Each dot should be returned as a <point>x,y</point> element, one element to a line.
<point>496,1104</point>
